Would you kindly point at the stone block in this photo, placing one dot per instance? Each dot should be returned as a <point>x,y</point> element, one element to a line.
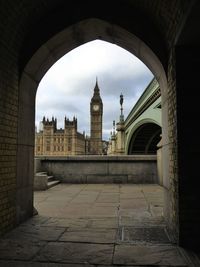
<point>72,178</point>
<point>99,179</point>
<point>40,181</point>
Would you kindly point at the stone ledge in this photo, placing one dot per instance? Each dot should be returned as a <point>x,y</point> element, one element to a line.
<point>95,158</point>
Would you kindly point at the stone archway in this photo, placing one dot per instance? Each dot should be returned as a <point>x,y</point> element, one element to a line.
<point>169,28</point>
<point>41,61</point>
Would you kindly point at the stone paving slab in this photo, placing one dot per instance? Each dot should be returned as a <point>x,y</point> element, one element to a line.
<point>108,198</point>
<point>19,249</point>
<point>39,264</point>
<point>137,194</point>
<point>90,235</point>
<point>41,198</point>
<point>63,196</point>
<point>102,212</point>
<point>60,200</point>
<point>104,222</point>
<point>148,255</point>
<point>35,233</point>
<point>135,213</point>
<point>74,211</point>
<point>48,210</point>
<point>67,222</point>
<point>84,199</point>
<point>133,204</point>
<point>74,229</point>
<point>127,188</point>
<point>63,252</point>
<point>37,220</point>
<point>106,204</point>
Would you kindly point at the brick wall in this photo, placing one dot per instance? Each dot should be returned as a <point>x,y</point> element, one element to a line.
<point>12,31</point>
<point>8,130</point>
<point>172,133</point>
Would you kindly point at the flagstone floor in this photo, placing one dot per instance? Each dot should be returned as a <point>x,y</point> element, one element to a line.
<point>93,225</point>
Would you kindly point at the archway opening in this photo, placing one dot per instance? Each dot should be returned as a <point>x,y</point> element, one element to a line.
<point>67,88</point>
<point>40,63</point>
<point>106,203</point>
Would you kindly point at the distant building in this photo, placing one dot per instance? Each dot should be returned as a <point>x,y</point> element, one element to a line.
<point>59,142</point>
<point>96,112</point>
<point>50,141</point>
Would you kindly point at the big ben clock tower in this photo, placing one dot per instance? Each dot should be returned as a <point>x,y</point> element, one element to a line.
<point>96,112</point>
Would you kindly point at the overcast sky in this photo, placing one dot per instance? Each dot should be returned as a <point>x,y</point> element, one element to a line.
<point>67,88</point>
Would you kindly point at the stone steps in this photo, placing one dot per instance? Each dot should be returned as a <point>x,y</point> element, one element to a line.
<point>43,181</point>
<point>52,183</point>
<point>50,178</point>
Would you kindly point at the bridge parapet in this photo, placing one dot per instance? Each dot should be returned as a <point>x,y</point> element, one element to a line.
<point>100,169</point>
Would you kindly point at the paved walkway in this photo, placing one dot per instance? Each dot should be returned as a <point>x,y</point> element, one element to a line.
<point>93,225</point>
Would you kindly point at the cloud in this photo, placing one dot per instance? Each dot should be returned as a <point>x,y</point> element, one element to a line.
<point>67,87</point>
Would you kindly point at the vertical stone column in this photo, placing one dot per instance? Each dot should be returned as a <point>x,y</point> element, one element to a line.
<point>113,144</point>
<point>120,149</point>
<point>25,149</point>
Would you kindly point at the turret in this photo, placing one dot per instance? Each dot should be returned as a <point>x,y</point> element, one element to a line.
<point>49,123</point>
<point>70,123</point>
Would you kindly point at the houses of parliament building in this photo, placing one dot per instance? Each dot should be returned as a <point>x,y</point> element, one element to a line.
<point>50,141</point>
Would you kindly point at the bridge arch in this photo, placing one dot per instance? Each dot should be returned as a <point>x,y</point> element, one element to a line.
<point>130,135</point>
<point>144,139</point>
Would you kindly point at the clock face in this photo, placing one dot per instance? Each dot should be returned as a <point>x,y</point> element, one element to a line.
<point>96,107</point>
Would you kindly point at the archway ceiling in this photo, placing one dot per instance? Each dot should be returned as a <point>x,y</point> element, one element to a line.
<point>154,22</point>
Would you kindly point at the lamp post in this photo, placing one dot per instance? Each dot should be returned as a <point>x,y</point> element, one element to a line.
<point>121,104</point>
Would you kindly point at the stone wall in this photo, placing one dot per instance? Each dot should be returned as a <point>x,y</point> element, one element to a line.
<point>171,181</point>
<point>101,169</point>
<point>8,125</point>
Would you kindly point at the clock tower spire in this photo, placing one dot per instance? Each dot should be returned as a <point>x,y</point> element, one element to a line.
<point>96,112</point>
